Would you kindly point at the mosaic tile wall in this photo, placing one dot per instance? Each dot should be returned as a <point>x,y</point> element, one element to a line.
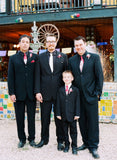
<point>107,105</point>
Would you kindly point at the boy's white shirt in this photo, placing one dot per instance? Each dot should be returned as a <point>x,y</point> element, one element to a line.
<point>69,85</point>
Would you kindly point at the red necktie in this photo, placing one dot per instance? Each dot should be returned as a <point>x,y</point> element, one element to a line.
<point>66,89</point>
<point>81,63</point>
<point>25,58</point>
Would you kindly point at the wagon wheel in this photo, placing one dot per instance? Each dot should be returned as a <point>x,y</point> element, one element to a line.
<point>45,30</point>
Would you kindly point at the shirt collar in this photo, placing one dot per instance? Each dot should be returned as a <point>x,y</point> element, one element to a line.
<point>54,53</point>
<point>23,53</point>
<point>69,85</point>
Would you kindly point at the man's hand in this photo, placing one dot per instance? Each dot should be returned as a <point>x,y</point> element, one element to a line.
<point>59,117</point>
<point>76,117</point>
<point>13,98</point>
<point>39,97</point>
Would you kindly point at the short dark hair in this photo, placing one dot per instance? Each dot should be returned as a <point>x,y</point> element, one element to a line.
<point>68,71</point>
<point>51,35</point>
<point>80,38</point>
<point>25,36</point>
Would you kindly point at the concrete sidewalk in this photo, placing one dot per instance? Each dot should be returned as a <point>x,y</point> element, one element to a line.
<point>9,141</point>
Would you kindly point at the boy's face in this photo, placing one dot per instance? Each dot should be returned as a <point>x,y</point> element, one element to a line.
<point>67,78</point>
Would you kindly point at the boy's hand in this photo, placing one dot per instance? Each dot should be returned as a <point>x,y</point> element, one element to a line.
<point>76,117</point>
<point>39,97</point>
<point>59,117</point>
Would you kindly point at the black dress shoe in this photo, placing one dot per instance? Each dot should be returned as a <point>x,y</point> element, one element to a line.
<point>41,144</point>
<point>21,144</point>
<point>74,151</point>
<point>32,143</point>
<point>60,146</point>
<point>83,147</point>
<point>66,149</point>
<point>95,153</point>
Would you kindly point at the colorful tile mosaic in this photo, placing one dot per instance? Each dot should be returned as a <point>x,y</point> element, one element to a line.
<point>107,105</point>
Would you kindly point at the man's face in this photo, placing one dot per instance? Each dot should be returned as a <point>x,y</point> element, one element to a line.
<point>51,43</point>
<point>67,78</point>
<point>24,44</point>
<point>80,46</point>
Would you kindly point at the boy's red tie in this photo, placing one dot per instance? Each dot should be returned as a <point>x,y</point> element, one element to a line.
<point>66,90</point>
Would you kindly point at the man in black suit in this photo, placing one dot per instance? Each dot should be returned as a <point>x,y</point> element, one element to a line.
<point>21,89</point>
<point>68,110</point>
<point>88,77</point>
<point>48,79</point>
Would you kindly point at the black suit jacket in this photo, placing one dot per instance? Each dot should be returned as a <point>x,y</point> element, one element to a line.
<point>90,81</point>
<point>68,106</point>
<point>21,76</point>
<point>47,82</point>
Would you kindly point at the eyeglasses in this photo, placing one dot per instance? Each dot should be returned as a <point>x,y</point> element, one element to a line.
<point>50,41</point>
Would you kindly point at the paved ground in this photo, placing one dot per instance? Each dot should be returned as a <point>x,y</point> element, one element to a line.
<point>9,140</point>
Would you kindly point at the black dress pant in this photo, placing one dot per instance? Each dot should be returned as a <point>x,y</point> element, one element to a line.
<point>46,108</point>
<point>73,133</point>
<point>89,125</point>
<point>20,118</point>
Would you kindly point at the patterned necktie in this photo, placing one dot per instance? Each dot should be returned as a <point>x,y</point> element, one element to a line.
<point>66,89</point>
<point>25,58</point>
<point>51,61</point>
<point>81,63</point>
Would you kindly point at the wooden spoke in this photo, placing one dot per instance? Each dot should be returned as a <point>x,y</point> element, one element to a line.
<point>45,30</point>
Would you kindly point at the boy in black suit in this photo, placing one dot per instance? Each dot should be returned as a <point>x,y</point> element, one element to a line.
<point>68,110</point>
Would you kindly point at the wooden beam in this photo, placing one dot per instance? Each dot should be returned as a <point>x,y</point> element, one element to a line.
<point>60,16</point>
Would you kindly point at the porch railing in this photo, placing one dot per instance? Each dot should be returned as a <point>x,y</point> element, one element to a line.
<point>38,6</point>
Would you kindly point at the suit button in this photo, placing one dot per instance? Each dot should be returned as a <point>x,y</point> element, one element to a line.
<point>26,74</point>
<point>25,66</point>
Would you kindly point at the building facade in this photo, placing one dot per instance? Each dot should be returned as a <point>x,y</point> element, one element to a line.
<point>94,19</point>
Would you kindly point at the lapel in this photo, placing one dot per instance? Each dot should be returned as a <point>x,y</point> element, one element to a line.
<point>77,64</point>
<point>70,90</point>
<point>58,60</point>
<point>20,57</point>
<point>29,57</point>
<point>86,60</point>
<point>55,61</point>
<point>63,90</point>
<point>46,60</point>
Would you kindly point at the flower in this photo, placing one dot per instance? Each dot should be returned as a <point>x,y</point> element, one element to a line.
<point>30,55</point>
<point>70,90</point>
<point>59,56</point>
<point>32,61</point>
<point>88,56</point>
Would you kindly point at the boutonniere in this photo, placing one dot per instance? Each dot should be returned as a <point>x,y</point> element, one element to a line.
<point>30,55</point>
<point>32,61</point>
<point>88,56</point>
<point>70,90</point>
<point>59,56</point>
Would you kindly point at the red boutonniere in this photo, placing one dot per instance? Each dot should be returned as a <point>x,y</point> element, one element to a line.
<point>59,56</point>
<point>70,90</point>
<point>30,55</point>
<point>88,56</point>
<point>32,61</point>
